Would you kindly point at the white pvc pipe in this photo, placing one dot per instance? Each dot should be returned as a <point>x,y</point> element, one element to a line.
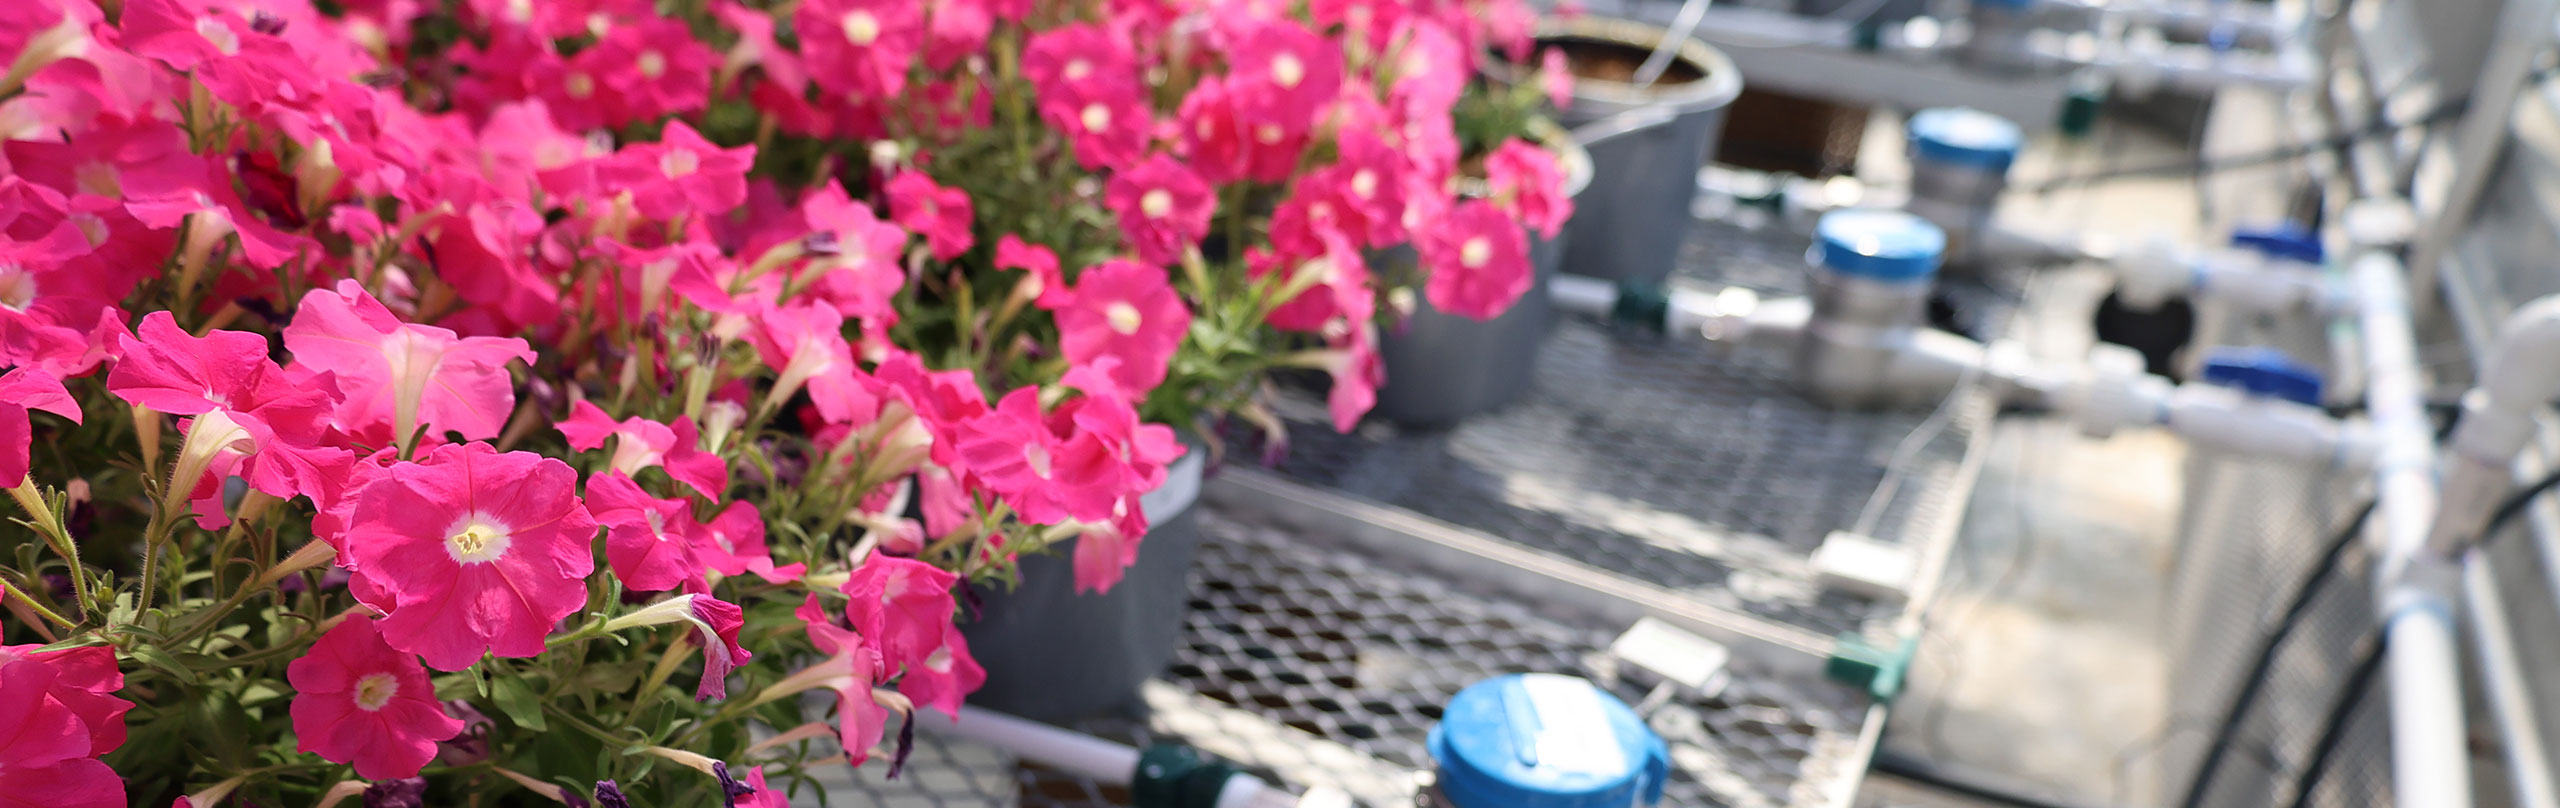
<point>2518,380</point>
<point>2430,760</point>
<point>1072,752</point>
<point>2430,747</point>
<point>1586,296</point>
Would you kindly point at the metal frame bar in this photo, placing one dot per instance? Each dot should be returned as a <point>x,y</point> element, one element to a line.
<point>2483,137</point>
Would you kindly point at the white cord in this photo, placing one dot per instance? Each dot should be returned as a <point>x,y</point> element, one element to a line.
<point>1690,13</point>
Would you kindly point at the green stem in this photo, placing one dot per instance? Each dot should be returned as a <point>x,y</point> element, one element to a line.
<point>594,627</point>
<point>17,595</point>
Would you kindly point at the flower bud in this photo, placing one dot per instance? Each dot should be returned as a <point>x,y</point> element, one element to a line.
<point>609,795</point>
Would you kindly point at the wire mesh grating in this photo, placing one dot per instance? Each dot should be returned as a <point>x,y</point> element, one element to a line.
<point>1317,667</point>
<point>1668,459</point>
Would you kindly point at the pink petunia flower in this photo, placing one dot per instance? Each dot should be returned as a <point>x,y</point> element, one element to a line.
<point>23,389</point>
<point>901,606</point>
<point>1284,75</point>
<point>85,682</point>
<point>45,760</point>
<point>859,269</point>
<point>946,676</point>
<point>860,48</point>
<point>1103,554</point>
<point>851,668</point>
<point>252,419</point>
<point>1127,311</point>
<point>1046,477</point>
<point>1556,77</point>
<point>400,376</point>
<point>732,543</point>
<point>1107,120</point>
<point>358,701</point>
<point>1527,183</point>
<point>1047,286</point>
<point>648,540</point>
<point>1330,287</point>
<point>652,68</point>
<point>640,443</point>
<point>806,344</point>
<point>1357,372</point>
<point>1062,58</point>
<point>1163,208</point>
<point>1225,147</point>
<point>941,214</point>
<point>715,625</point>
<point>1478,260</point>
<point>478,551</point>
<point>681,173</point>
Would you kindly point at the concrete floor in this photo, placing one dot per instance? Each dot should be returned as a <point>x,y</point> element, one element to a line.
<point>2044,665</point>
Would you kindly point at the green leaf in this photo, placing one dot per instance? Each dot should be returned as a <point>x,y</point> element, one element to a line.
<point>153,656</point>
<point>516,699</point>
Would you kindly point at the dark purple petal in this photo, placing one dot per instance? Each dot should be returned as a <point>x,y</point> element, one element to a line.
<point>405,793</point>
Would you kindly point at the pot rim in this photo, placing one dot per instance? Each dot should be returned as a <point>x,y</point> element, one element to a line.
<point>1718,84</point>
<point>1571,157</point>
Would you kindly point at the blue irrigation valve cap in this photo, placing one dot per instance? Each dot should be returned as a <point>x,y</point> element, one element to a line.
<point>2287,241</point>
<point>1965,137</point>
<point>2263,372</point>
<point>1878,244</point>
<point>1540,740</point>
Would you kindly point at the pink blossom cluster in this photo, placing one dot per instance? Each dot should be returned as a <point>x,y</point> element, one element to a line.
<point>844,306</point>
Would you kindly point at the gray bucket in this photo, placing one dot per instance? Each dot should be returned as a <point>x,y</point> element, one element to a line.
<point>1629,226</point>
<point>1054,655</point>
<point>1442,367</point>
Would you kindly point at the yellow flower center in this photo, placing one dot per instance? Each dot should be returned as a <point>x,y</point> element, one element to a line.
<point>580,85</point>
<point>1077,69</point>
<point>1156,204</point>
<point>476,540</point>
<point>1288,71</point>
<point>1037,457</point>
<point>1096,117</point>
<point>1124,317</point>
<point>1475,253</point>
<point>652,64</point>
<point>375,690</point>
<point>678,163</point>
<point>17,287</point>
<point>1364,183</point>
<point>1269,134</point>
<point>101,179</point>
<point>861,28</point>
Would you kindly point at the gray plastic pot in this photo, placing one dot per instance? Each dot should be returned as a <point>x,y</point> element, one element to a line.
<point>1442,367</point>
<point>1054,655</point>
<point>1646,145</point>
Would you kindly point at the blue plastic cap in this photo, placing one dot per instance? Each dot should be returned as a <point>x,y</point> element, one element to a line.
<point>1545,741</point>
<point>1966,137</point>
<point>2263,372</point>
<point>2287,241</point>
<point>2013,5</point>
<point>1886,245</point>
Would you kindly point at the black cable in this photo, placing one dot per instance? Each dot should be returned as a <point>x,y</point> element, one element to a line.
<point>1965,783</point>
<point>2254,683</point>
<point>2333,727</point>
<point>2443,111</point>
<point>2513,506</point>
<point>2200,166</point>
